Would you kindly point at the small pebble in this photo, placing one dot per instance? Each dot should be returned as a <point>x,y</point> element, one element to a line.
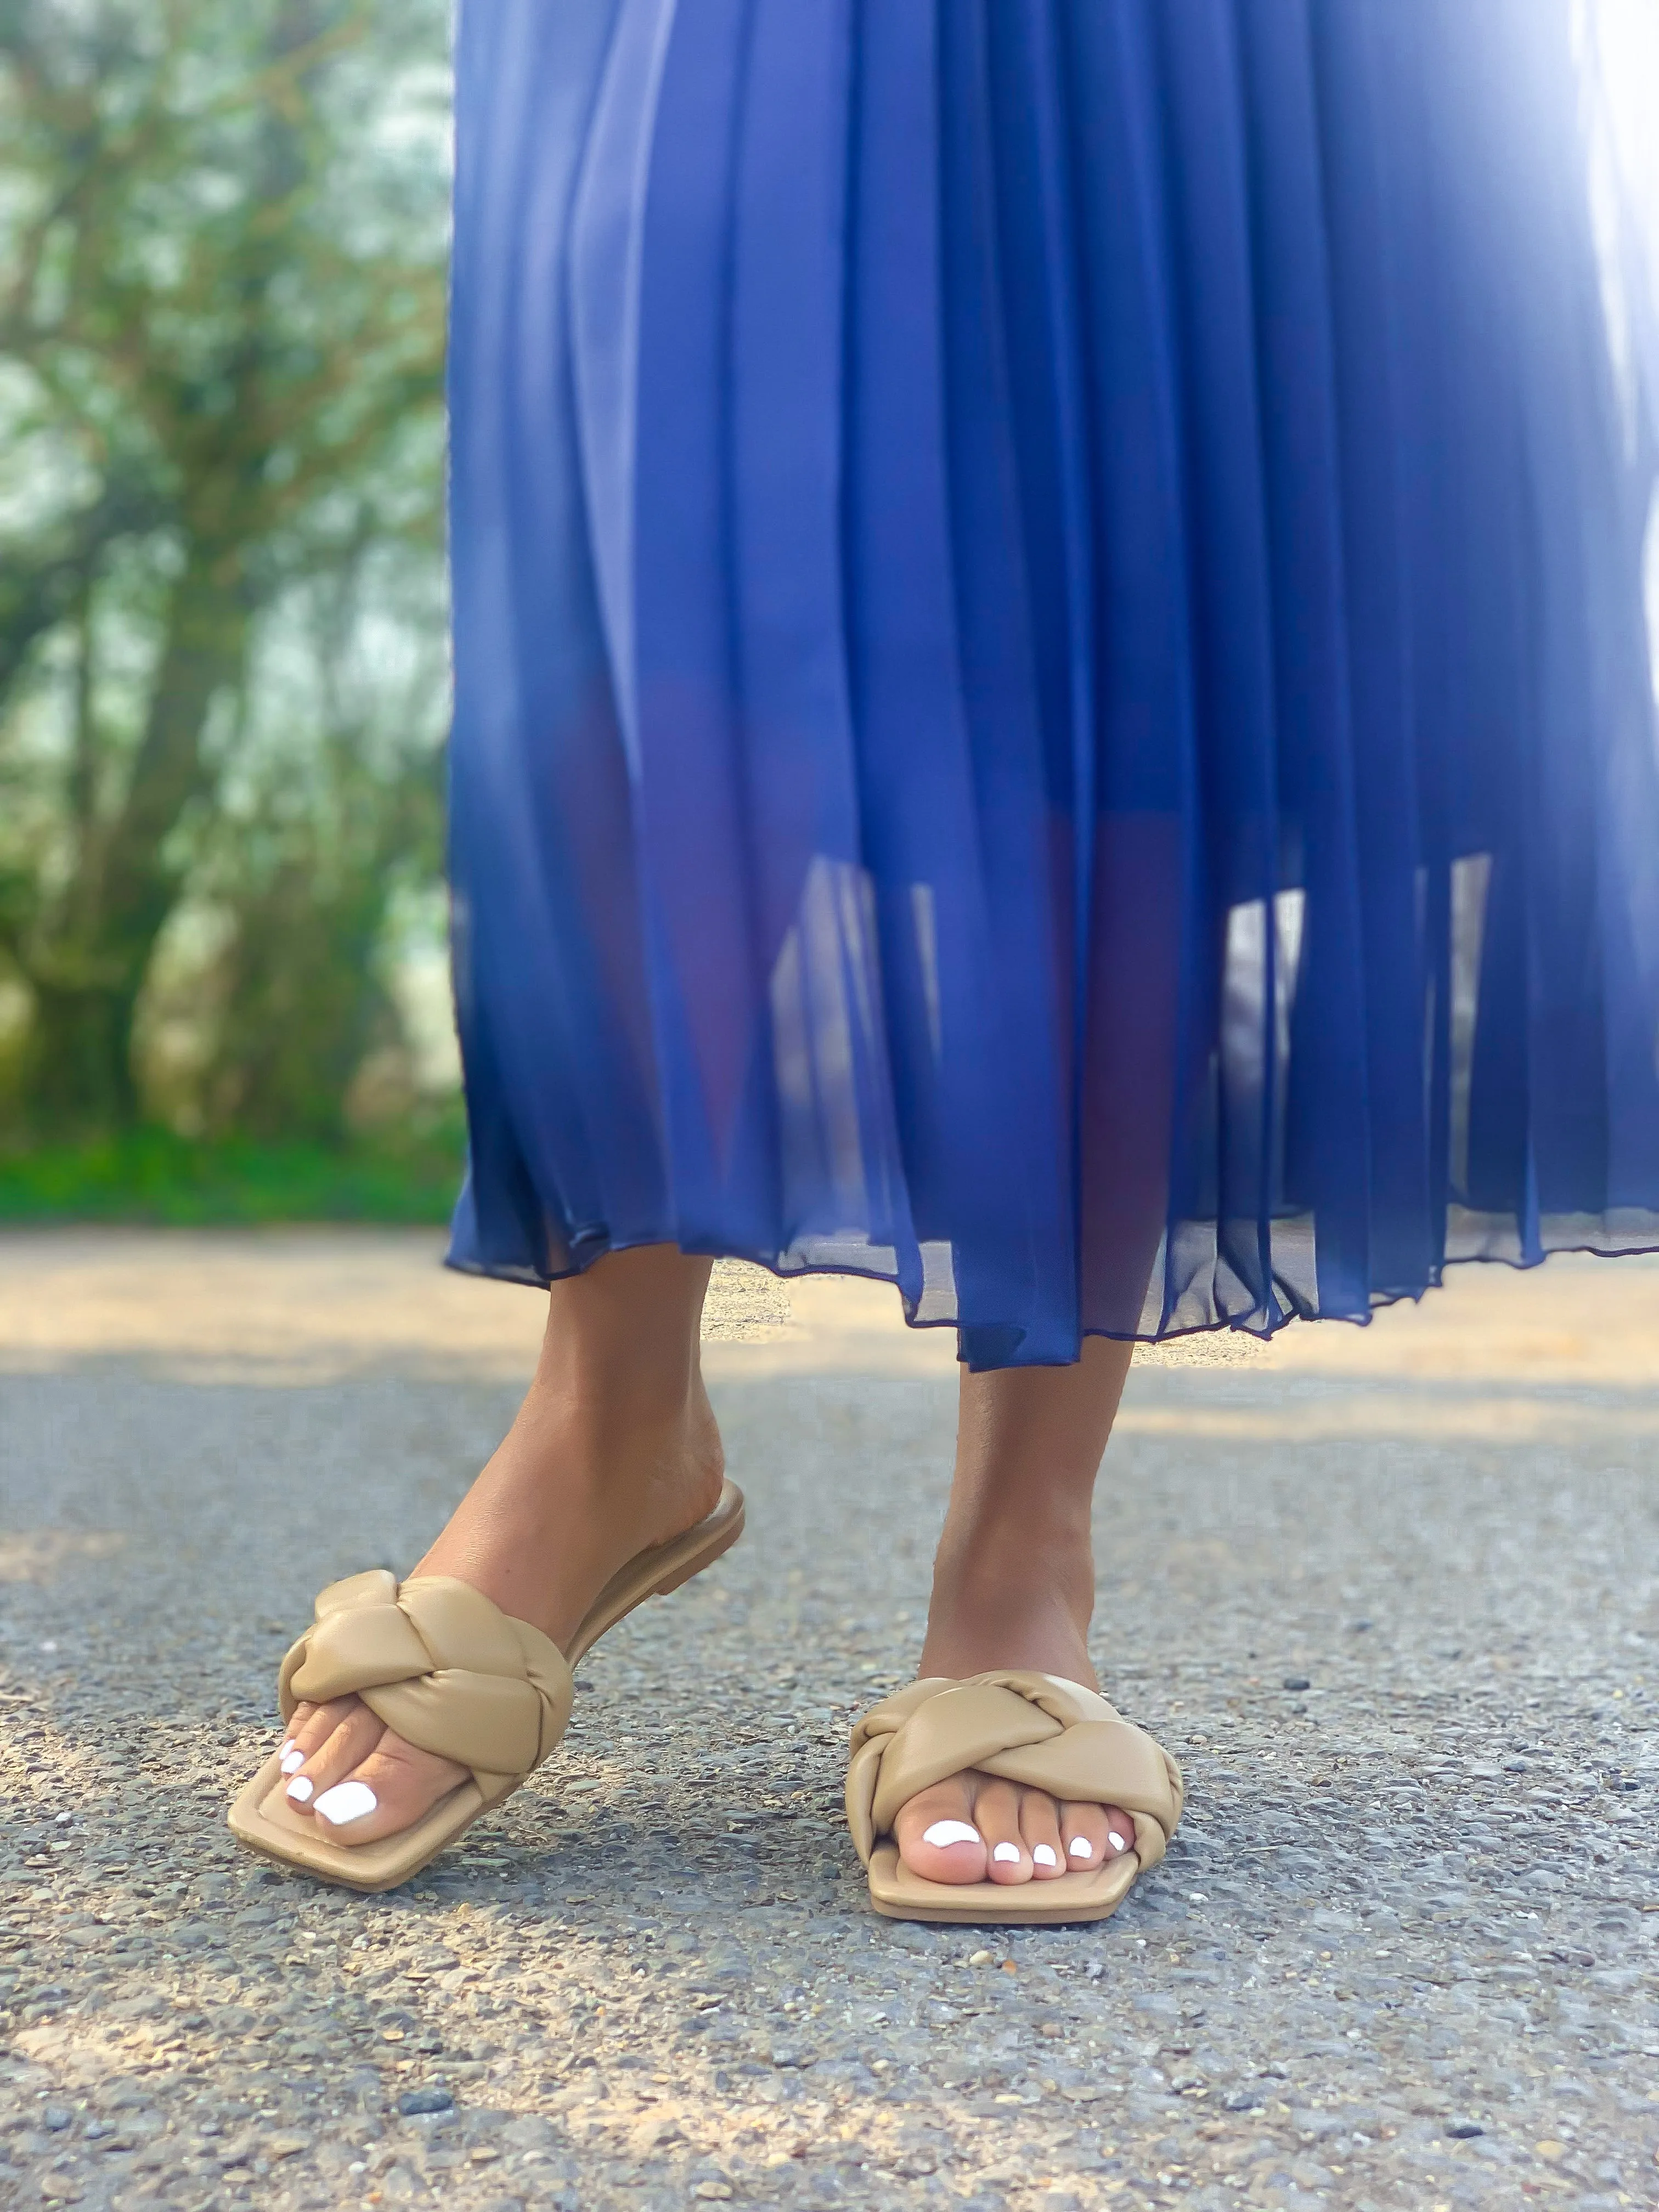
<point>414,2102</point>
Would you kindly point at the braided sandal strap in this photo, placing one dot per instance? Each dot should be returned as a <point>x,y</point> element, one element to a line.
<point>441,1666</point>
<point>1024,1727</point>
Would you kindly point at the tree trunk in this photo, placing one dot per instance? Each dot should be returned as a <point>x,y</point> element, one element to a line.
<point>202,656</point>
<point>78,1075</point>
<point>86,973</point>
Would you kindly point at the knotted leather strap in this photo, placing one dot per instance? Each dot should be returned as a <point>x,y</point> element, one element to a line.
<point>1027,1728</point>
<point>440,1664</point>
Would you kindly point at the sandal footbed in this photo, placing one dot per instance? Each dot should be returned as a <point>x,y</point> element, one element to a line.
<point>263,1820</point>
<point>899,1893</point>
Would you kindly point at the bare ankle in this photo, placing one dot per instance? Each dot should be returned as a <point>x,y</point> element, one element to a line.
<point>1021,1564</point>
<point>580,1484</point>
<point>1001,1600</point>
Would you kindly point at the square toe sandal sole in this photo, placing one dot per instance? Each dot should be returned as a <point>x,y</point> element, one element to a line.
<point>1070,1899</point>
<point>265,1822</point>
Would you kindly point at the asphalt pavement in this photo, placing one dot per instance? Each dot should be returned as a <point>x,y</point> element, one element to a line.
<point>1391,1595</point>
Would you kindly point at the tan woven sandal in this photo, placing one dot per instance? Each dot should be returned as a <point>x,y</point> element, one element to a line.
<point>449,1671</point>
<point>1033,1729</point>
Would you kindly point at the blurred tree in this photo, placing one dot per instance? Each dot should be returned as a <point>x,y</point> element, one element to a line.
<point>221,251</point>
<point>305,858</point>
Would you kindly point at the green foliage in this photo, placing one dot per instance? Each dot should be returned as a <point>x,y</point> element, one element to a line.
<point>222,673</point>
<point>155,1176</point>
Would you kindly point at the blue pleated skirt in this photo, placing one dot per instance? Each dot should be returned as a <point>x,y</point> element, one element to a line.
<point>1053,691</point>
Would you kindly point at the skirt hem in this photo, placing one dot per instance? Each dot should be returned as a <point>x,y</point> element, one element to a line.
<point>503,1271</point>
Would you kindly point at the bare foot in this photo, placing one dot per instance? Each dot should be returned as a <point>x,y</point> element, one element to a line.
<point>615,1449</point>
<point>1007,1600</point>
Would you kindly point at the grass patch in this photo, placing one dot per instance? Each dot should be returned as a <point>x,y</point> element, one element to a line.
<point>407,1175</point>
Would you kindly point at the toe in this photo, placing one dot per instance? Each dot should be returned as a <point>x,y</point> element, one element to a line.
<point>996,1815</point>
<point>1120,1831</point>
<point>308,1729</point>
<point>1039,1829</point>
<point>1086,1835</point>
<point>343,1747</point>
<point>386,1792</point>
<point>311,1728</point>
<point>936,1835</point>
<point>289,1756</point>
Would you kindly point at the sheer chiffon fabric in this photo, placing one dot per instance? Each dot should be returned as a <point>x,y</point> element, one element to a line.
<point>1053,689</point>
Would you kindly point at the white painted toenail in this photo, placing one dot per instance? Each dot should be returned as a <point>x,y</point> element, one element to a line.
<point>1118,1842</point>
<point>1044,1855</point>
<point>347,1801</point>
<point>293,1761</point>
<point>944,1833</point>
<point>300,1790</point>
<point>1007,1854</point>
<point>1081,1848</point>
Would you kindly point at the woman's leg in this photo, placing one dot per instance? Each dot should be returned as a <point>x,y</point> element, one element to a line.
<point>614,1449</point>
<point>1014,1586</point>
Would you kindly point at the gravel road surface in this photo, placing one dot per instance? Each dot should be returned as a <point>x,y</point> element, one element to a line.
<point>1390,1595</point>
